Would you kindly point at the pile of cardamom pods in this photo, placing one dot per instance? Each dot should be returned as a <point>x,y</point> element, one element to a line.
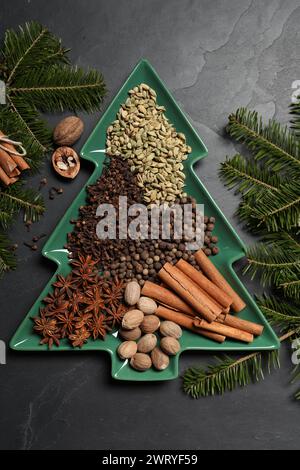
<point>154,149</point>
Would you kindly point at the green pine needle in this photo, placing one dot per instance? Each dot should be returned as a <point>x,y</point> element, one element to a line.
<point>271,263</point>
<point>272,143</point>
<point>279,312</point>
<point>7,257</point>
<point>57,88</point>
<point>31,46</point>
<point>228,373</point>
<point>248,176</point>
<point>15,199</point>
<point>276,210</point>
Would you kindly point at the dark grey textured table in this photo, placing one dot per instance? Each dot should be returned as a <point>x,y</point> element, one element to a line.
<point>214,55</point>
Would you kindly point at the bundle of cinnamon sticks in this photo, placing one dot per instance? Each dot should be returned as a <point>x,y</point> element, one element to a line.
<point>11,161</point>
<point>200,301</point>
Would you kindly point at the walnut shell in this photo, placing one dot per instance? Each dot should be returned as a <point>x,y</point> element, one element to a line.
<point>66,162</point>
<point>68,131</point>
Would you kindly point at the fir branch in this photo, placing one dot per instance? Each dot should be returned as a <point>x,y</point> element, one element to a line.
<point>248,176</point>
<point>15,199</point>
<point>287,240</point>
<point>228,373</point>
<point>279,312</point>
<point>58,88</point>
<point>7,257</point>
<point>274,144</point>
<point>275,211</point>
<point>295,111</point>
<point>291,287</point>
<point>29,122</point>
<point>32,46</point>
<point>272,264</point>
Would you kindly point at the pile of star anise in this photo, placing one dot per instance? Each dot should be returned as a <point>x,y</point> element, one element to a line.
<point>82,305</point>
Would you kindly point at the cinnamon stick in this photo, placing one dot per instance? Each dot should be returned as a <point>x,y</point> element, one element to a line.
<point>212,289</point>
<point>216,277</point>
<point>225,330</point>
<point>186,289</point>
<point>167,297</point>
<point>4,178</point>
<point>20,162</point>
<point>6,162</point>
<point>245,325</point>
<point>187,322</point>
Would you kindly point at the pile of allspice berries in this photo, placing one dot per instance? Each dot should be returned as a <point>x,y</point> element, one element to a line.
<point>142,346</point>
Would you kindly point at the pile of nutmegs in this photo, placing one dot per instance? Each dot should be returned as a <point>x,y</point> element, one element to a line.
<point>139,330</point>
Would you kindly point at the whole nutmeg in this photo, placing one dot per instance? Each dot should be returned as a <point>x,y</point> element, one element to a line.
<point>141,362</point>
<point>68,131</point>
<point>147,305</point>
<point>132,319</point>
<point>150,324</point>
<point>132,293</point>
<point>66,162</point>
<point>130,335</point>
<point>127,349</point>
<point>169,328</point>
<point>159,359</point>
<point>147,343</point>
<point>170,346</point>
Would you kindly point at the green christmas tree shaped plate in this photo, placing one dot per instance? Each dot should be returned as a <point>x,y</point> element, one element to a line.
<point>231,247</point>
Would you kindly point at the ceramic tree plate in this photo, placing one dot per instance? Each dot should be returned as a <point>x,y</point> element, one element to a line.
<point>231,247</point>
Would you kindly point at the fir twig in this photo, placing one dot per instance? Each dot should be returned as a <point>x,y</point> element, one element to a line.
<point>57,88</point>
<point>272,264</point>
<point>15,199</point>
<point>7,257</point>
<point>279,312</point>
<point>228,373</point>
<point>248,177</point>
<point>274,144</point>
<point>31,46</point>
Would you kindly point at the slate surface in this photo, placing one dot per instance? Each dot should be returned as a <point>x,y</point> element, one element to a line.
<point>214,56</point>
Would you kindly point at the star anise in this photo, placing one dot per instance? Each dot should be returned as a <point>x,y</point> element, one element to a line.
<point>115,315</point>
<point>53,297</point>
<point>94,301</point>
<point>113,292</point>
<point>79,337</point>
<point>85,270</point>
<point>83,320</point>
<point>58,307</point>
<point>45,326</point>
<point>50,340</point>
<point>48,329</point>
<point>66,285</point>
<point>67,323</point>
<point>75,301</point>
<point>98,326</point>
